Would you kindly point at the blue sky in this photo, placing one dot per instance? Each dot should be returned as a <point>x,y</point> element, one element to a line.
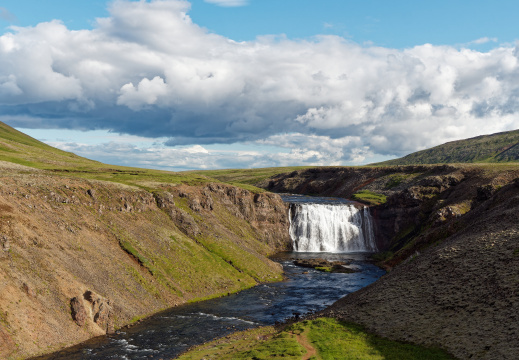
<point>238,83</point>
<point>395,24</point>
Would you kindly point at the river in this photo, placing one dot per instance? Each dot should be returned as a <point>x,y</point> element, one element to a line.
<point>166,335</point>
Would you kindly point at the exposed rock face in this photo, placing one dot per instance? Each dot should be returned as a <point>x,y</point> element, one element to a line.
<point>265,211</point>
<point>78,311</point>
<point>102,253</point>
<point>95,309</point>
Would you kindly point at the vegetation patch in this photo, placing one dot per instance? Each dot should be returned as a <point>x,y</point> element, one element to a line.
<point>128,248</point>
<point>331,339</point>
<point>395,180</point>
<point>334,339</point>
<point>382,256</point>
<point>499,147</point>
<point>369,197</point>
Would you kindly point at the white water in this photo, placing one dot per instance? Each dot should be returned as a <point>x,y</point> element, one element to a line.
<point>331,228</point>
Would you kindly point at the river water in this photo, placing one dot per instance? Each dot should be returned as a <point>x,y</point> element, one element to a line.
<point>166,335</point>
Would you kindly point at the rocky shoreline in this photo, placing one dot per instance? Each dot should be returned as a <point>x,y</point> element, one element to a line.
<point>325,265</point>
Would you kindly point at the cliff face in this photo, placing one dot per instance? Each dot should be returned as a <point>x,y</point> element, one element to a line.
<point>79,257</point>
<point>452,244</point>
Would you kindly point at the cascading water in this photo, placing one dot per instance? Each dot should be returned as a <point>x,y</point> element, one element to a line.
<point>331,228</point>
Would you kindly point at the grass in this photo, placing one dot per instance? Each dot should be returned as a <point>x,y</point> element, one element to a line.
<point>369,197</point>
<point>330,338</point>
<point>324,268</point>
<point>246,176</point>
<point>494,148</point>
<point>334,339</point>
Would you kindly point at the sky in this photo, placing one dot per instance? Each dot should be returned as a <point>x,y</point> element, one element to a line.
<point>207,84</point>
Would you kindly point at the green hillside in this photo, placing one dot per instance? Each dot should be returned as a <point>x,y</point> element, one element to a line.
<point>19,148</point>
<point>499,147</point>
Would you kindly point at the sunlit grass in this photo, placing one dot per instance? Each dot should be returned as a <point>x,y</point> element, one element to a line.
<point>331,339</point>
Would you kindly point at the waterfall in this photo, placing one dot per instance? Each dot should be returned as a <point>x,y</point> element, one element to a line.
<point>331,228</point>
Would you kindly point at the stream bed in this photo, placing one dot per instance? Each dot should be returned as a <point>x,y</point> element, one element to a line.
<point>168,334</point>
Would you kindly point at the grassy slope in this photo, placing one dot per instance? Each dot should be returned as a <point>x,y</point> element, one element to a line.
<point>329,338</point>
<point>499,147</point>
<point>19,148</point>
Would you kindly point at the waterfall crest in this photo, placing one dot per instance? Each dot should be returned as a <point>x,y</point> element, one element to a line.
<point>331,228</point>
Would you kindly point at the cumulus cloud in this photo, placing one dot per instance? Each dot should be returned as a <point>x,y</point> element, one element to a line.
<point>149,70</point>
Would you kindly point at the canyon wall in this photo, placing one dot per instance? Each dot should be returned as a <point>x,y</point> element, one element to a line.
<point>80,258</point>
<point>451,241</point>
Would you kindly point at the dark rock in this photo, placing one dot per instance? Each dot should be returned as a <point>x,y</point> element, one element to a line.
<point>485,192</point>
<point>91,193</point>
<point>324,265</point>
<point>78,311</point>
<point>103,316</point>
<point>28,290</point>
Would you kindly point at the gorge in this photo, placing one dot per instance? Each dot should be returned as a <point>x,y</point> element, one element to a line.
<point>171,332</point>
<point>115,244</point>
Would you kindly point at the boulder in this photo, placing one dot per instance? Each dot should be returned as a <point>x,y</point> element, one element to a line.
<point>78,311</point>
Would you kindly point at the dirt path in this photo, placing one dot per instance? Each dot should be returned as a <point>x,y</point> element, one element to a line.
<point>310,350</point>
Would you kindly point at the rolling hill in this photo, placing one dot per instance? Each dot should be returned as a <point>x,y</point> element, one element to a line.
<point>499,147</point>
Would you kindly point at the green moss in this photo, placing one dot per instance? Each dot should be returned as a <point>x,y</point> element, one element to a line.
<point>324,268</point>
<point>128,248</point>
<point>369,197</point>
<point>395,180</point>
<point>516,252</point>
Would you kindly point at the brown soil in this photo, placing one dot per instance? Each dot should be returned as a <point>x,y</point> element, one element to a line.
<point>310,350</point>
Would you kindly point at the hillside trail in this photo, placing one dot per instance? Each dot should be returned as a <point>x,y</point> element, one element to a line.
<point>310,350</point>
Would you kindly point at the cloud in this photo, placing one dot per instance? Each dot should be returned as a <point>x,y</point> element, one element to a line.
<point>228,3</point>
<point>483,40</point>
<point>146,93</point>
<point>148,70</point>
<point>193,157</point>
